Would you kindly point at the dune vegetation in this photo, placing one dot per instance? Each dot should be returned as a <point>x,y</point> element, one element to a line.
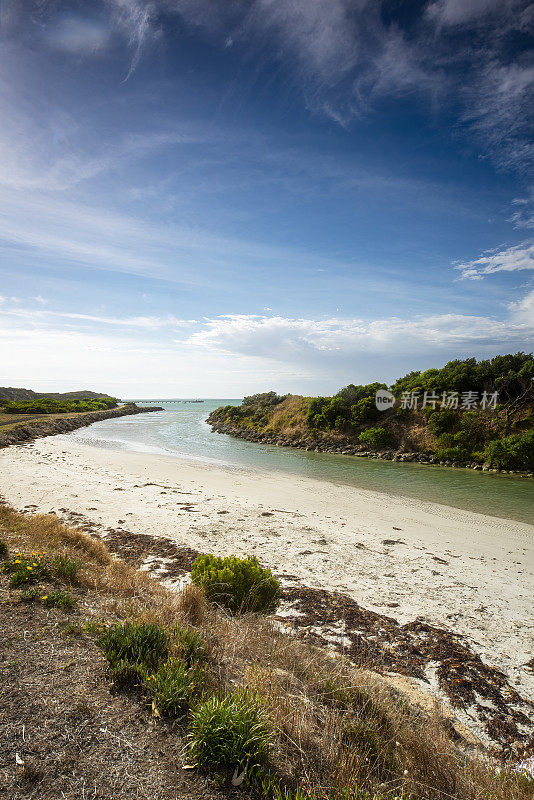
<point>196,698</point>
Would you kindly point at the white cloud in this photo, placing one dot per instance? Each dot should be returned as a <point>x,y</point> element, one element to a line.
<point>78,35</point>
<point>523,310</point>
<point>460,12</point>
<point>523,216</point>
<point>512,259</point>
<point>331,340</point>
<point>240,353</point>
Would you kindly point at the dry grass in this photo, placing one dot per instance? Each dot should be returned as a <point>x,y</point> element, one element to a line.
<point>289,416</point>
<point>338,732</point>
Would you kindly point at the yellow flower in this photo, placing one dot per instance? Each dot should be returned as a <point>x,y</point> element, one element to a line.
<point>29,568</point>
<point>45,597</point>
<point>17,561</point>
<point>34,564</point>
<point>34,554</point>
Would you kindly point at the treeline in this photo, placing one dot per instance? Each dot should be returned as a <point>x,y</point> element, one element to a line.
<point>48,405</point>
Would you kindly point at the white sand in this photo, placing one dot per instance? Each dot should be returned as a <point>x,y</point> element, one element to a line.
<point>484,590</point>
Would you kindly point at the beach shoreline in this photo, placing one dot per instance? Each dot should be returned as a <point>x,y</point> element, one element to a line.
<point>406,559</point>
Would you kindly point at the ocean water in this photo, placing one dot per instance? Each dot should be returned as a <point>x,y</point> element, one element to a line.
<point>181,431</point>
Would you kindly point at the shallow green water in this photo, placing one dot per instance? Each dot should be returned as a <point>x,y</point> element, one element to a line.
<point>181,431</point>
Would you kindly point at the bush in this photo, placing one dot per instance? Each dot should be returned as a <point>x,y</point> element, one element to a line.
<point>512,452</point>
<point>452,454</point>
<point>441,421</point>
<point>4,553</point>
<point>175,685</point>
<point>231,730</point>
<point>375,437</point>
<point>240,584</point>
<point>144,645</point>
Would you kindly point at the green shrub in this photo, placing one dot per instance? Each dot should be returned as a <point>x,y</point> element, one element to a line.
<point>229,731</point>
<point>452,454</point>
<point>441,421</point>
<point>4,552</point>
<point>65,568</point>
<point>189,645</point>
<point>375,437</point>
<point>240,584</point>
<point>143,644</point>
<point>50,405</point>
<point>175,685</point>
<point>445,440</point>
<point>512,452</point>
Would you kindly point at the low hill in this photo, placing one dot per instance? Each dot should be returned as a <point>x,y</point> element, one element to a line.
<point>467,413</point>
<point>11,393</point>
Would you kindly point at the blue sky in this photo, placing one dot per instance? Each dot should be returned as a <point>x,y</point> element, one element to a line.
<point>213,198</point>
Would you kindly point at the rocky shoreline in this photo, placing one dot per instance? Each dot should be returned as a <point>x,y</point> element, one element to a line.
<point>32,429</point>
<point>338,445</point>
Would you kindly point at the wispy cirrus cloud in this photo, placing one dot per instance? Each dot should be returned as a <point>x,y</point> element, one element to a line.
<point>344,54</point>
<point>511,259</point>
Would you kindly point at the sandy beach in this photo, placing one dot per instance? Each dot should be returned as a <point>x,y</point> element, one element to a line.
<point>410,559</point>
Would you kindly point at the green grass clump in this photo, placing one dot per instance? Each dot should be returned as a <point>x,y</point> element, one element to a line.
<point>144,644</point>
<point>231,731</point>
<point>65,568</point>
<point>50,599</point>
<point>189,645</point>
<point>239,584</point>
<point>31,595</point>
<point>26,569</point>
<point>125,674</point>
<point>4,552</point>
<point>176,685</point>
<point>58,599</point>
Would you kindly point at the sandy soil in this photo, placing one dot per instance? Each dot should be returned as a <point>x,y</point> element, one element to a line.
<point>410,559</point>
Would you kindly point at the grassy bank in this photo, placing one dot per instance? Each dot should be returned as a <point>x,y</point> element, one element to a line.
<point>211,696</point>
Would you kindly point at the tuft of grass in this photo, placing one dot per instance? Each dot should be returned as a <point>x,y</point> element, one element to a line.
<point>176,685</point>
<point>58,599</point>
<point>31,595</point>
<point>189,645</point>
<point>4,552</point>
<point>93,626</point>
<point>125,674</point>
<point>231,731</point>
<point>65,568</point>
<point>142,644</point>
